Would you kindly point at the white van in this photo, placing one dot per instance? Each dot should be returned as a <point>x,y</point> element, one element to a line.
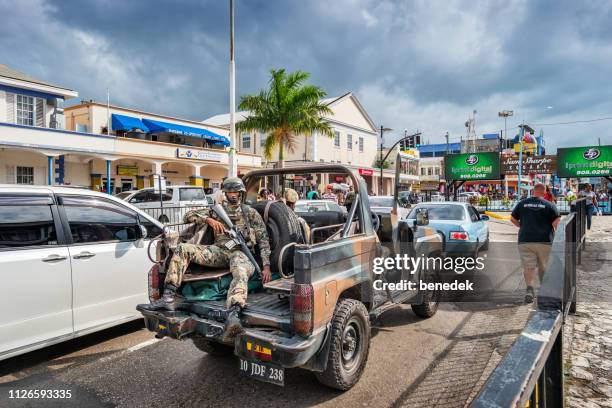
<point>72,262</point>
<point>177,200</point>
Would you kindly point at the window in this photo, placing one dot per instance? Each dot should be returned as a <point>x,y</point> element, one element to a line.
<point>473,214</point>
<point>192,194</point>
<point>246,141</point>
<point>361,144</point>
<point>262,139</point>
<point>25,110</point>
<point>80,127</point>
<point>437,171</point>
<point>423,171</point>
<point>349,142</point>
<point>429,171</point>
<point>140,197</point>
<point>152,229</point>
<point>25,175</point>
<point>337,140</point>
<point>441,212</point>
<point>93,219</point>
<point>26,224</point>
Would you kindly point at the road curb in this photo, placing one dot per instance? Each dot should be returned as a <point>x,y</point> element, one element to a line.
<point>498,216</point>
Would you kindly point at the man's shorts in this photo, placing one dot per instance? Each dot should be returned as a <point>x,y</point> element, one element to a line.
<point>534,255</point>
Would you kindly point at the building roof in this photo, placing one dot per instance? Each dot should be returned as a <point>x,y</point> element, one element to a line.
<point>140,112</point>
<point>10,73</point>
<point>223,119</point>
<point>439,147</point>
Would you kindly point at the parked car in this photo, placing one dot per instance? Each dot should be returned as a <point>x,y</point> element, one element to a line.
<point>465,230</point>
<point>177,200</point>
<point>72,263</point>
<point>320,213</point>
<point>318,317</point>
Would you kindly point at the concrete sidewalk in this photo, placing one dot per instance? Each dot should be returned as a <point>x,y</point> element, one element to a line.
<point>588,334</point>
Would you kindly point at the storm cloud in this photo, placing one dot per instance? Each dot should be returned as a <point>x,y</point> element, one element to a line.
<point>413,64</point>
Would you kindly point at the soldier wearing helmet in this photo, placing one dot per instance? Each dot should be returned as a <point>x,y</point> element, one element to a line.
<point>217,255</point>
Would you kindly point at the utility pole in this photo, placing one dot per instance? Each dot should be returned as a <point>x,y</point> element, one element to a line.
<point>232,170</point>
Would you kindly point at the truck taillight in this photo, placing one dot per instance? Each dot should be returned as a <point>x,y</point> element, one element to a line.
<point>154,283</point>
<point>301,308</point>
<point>459,235</point>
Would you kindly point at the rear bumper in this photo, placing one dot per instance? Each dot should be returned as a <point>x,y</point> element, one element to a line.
<point>459,248</point>
<point>286,350</point>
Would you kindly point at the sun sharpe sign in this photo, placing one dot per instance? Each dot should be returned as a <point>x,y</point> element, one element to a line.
<point>472,166</point>
<point>531,164</point>
<point>588,161</point>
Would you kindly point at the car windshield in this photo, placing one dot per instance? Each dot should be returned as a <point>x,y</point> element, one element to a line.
<point>310,207</point>
<point>441,212</point>
<point>123,195</point>
<point>381,201</point>
<point>192,194</point>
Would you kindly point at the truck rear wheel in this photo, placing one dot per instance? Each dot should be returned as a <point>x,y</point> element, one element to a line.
<point>349,345</point>
<point>211,347</point>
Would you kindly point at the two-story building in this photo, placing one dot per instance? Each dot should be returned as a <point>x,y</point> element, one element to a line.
<point>103,147</point>
<point>355,144</point>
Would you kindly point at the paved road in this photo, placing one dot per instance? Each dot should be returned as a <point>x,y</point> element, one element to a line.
<point>436,362</point>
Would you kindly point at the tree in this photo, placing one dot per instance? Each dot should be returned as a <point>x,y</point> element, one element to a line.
<point>286,109</point>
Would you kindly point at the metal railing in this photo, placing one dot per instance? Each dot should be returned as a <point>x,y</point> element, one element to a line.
<point>172,215</point>
<point>531,373</point>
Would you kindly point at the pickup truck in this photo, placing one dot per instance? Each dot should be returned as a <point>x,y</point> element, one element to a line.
<point>318,315</point>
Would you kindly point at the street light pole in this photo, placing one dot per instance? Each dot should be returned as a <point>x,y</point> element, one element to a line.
<point>380,161</point>
<point>504,114</point>
<point>232,170</point>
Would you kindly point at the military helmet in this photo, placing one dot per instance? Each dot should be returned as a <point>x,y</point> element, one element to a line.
<point>233,184</point>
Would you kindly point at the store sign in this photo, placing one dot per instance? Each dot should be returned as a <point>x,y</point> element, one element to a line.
<point>472,166</point>
<point>531,164</point>
<point>366,172</point>
<point>429,186</point>
<point>198,154</point>
<point>588,161</point>
<point>127,170</point>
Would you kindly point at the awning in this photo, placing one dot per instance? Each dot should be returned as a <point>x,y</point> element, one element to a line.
<point>127,123</point>
<point>157,126</point>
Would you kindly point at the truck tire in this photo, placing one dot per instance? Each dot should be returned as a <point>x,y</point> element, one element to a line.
<point>283,228</point>
<point>211,347</point>
<point>430,304</point>
<point>349,345</point>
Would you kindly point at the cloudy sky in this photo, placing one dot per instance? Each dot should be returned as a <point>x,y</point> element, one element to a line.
<point>413,64</point>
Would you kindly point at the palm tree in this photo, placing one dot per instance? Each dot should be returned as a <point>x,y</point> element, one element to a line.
<point>286,109</point>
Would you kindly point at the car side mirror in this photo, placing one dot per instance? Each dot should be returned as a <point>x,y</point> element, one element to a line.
<point>143,231</point>
<point>484,218</point>
<point>422,217</point>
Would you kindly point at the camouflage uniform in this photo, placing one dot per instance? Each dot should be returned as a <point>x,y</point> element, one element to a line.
<point>218,256</point>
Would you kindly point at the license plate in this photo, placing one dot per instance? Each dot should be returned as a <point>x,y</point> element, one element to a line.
<point>263,372</point>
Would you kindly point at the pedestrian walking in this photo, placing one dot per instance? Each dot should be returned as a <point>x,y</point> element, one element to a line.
<point>537,220</point>
<point>591,202</point>
<point>549,196</point>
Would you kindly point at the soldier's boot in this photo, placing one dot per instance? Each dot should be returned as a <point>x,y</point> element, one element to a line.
<point>166,302</point>
<point>233,327</point>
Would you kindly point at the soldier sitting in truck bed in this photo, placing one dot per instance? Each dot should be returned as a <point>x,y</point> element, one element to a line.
<point>221,254</point>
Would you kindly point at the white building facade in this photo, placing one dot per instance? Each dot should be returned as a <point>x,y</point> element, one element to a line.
<point>355,144</point>
<point>41,142</point>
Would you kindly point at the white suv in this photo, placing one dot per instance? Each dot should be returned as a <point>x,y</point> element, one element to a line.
<point>72,261</point>
<point>177,200</point>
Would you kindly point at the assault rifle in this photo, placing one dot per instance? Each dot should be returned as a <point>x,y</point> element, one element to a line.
<point>236,235</point>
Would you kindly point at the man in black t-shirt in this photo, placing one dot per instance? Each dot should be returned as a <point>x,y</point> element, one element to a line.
<point>537,220</point>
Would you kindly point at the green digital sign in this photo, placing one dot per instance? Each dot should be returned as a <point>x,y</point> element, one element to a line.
<point>587,161</point>
<point>472,166</point>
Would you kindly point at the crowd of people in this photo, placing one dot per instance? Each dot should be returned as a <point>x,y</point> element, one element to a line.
<point>335,193</point>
